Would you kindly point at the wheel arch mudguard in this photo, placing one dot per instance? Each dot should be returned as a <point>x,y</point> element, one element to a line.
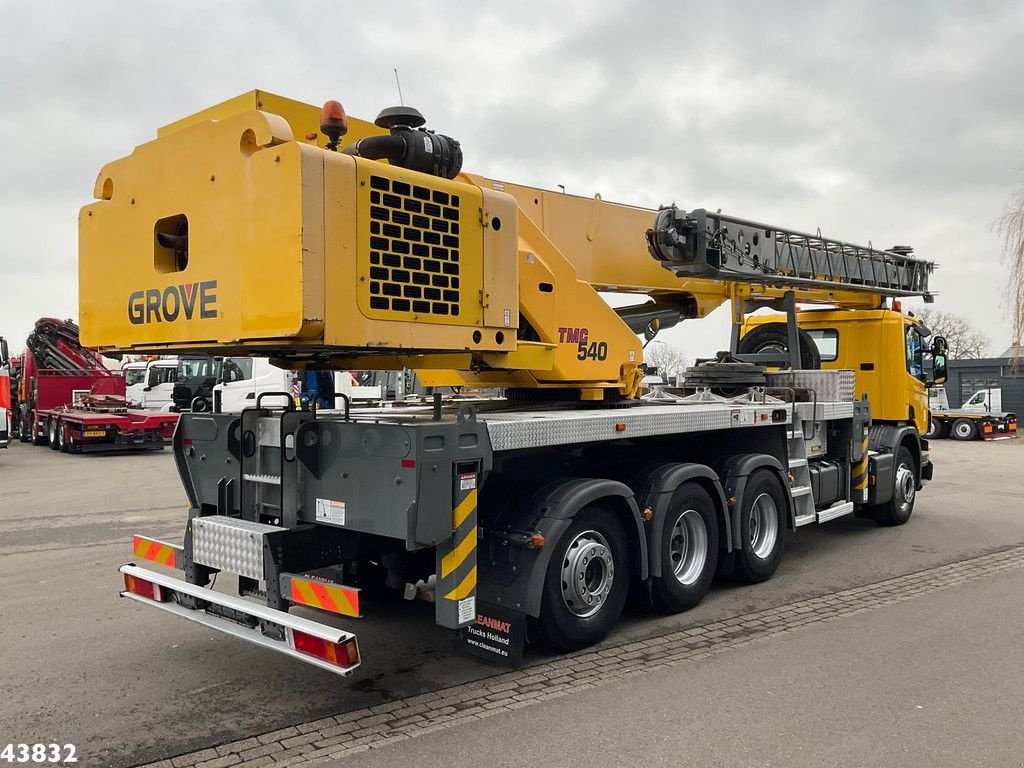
<point>886,439</point>
<point>661,483</point>
<point>735,472</point>
<point>519,579</point>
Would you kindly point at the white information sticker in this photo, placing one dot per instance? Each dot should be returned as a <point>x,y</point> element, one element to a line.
<point>330,511</point>
<point>467,610</point>
<point>467,482</point>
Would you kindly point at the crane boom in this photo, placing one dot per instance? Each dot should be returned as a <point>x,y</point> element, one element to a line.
<point>710,245</point>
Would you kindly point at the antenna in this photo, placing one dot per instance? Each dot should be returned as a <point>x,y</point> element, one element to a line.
<point>399,84</point>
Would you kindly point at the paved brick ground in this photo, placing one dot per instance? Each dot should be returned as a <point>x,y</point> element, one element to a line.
<point>317,742</point>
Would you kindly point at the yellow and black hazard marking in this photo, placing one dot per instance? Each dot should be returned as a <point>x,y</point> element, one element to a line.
<point>156,551</point>
<point>456,558</point>
<point>336,598</point>
<point>859,473</point>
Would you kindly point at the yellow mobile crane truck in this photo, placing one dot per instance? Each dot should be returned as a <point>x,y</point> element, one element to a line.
<point>266,226</point>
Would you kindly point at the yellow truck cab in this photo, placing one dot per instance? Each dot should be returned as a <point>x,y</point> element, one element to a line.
<point>893,368</point>
<point>884,348</point>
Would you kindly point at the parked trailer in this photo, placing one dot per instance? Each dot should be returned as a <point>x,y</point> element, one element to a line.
<point>102,423</point>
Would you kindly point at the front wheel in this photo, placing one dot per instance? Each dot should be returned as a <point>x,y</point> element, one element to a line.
<point>62,429</point>
<point>689,550</point>
<point>763,522</point>
<point>937,430</point>
<point>900,506</point>
<point>587,581</point>
<point>963,429</point>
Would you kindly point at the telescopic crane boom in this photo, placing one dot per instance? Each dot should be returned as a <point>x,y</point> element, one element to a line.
<point>236,237</point>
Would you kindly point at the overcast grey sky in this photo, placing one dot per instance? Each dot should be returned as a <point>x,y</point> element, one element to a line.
<point>889,122</point>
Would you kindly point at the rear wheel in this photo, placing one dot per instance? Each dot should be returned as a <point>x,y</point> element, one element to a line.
<point>62,442</point>
<point>898,509</point>
<point>763,522</point>
<point>587,581</point>
<point>689,550</point>
<point>25,428</point>
<point>963,429</point>
<point>52,428</point>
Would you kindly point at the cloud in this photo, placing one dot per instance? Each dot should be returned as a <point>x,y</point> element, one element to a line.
<point>888,123</point>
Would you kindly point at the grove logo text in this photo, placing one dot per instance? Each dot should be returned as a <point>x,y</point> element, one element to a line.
<point>174,301</point>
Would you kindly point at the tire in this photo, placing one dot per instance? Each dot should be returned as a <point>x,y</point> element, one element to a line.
<point>200,405</point>
<point>775,337</point>
<point>52,426</point>
<point>62,443</point>
<point>763,524</point>
<point>963,429</point>
<point>900,507</point>
<point>592,553</point>
<point>25,428</point>
<point>689,550</point>
<point>937,430</point>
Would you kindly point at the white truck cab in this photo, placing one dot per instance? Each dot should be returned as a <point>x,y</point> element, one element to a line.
<point>242,379</point>
<point>149,385</point>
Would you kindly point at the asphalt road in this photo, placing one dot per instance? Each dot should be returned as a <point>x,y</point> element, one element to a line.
<point>934,681</point>
<point>128,684</point>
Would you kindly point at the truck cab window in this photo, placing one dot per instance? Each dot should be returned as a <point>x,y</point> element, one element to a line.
<point>236,369</point>
<point>915,352</point>
<point>827,342</point>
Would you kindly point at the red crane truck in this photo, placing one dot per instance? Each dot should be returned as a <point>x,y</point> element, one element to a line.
<point>70,401</point>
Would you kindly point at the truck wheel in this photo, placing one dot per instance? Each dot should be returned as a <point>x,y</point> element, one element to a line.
<point>587,581</point>
<point>689,550</point>
<point>51,432</point>
<point>25,428</point>
<point>62,443</point>
<point>937,430</point>
<point>773,337</point>
<point>963,429</point>
<point>762,527</point>
<point>898,509</point>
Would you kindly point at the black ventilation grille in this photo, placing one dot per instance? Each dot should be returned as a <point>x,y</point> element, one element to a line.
<point>414,248</point>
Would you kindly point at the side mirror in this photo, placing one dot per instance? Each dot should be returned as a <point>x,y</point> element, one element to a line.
<point>652,329</point>
<point>938,369</point>
<point>939,347</point>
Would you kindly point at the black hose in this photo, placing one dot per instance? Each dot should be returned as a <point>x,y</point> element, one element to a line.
<point>391,148</point>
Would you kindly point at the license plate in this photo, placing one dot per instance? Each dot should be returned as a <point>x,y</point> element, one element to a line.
<point>95,433</point>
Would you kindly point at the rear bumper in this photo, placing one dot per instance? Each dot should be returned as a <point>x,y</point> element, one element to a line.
<point>254,623</point>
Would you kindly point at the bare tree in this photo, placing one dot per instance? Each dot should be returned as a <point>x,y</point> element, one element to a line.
<point>965,341</point>
<point>1011,227</point>
<point>667,358</point>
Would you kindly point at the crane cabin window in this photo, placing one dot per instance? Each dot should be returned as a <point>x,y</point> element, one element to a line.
<point>827,342</point>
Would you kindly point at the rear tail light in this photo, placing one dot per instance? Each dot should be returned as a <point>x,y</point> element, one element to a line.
<point>340,654</point>
<point>143,588</point>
